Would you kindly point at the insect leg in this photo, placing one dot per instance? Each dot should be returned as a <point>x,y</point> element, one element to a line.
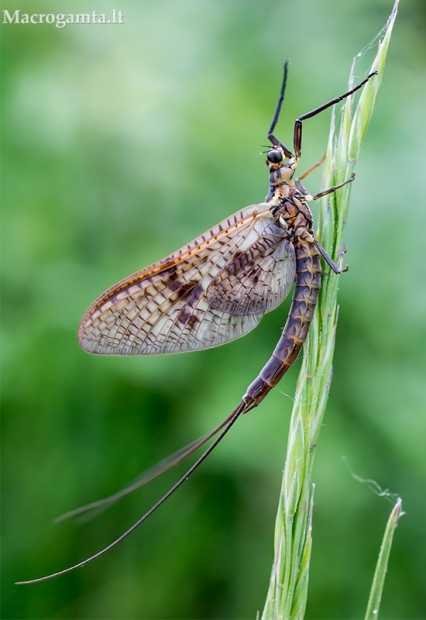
<point>271,137</point>
<point>332,189</point>
<point>330,262</point>
<point>302,189</point>
<point>280,100</point>
<point>320,163</point>
<point>298,124</point>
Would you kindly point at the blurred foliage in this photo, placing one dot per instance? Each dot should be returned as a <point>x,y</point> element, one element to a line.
<point>121,143</point>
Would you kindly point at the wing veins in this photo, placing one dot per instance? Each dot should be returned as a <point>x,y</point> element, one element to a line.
<point>231,247</point>
<point>143,315</point>
<point>156,269</point>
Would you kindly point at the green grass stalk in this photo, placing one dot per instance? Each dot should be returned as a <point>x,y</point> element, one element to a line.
<point>372,612</point>
<point>288,588</point>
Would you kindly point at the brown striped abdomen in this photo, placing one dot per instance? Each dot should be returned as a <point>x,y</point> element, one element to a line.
<point>308,282</point>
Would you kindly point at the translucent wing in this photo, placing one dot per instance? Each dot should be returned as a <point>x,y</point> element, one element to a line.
<point>258,279</point>
<point>164,308</point>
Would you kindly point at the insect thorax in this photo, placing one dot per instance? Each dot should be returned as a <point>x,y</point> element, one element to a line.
<point>287,204</point>
<point>281,175</point>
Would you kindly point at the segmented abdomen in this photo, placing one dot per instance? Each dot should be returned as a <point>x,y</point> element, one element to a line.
<point>308,282</point>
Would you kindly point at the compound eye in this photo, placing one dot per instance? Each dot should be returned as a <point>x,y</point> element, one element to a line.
<point>274,157</point>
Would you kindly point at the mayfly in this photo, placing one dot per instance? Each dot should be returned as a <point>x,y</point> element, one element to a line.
<point>218,287</point>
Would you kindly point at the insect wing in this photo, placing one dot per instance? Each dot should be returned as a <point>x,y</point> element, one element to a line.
<point>164,308</point>
<point>258,279</point>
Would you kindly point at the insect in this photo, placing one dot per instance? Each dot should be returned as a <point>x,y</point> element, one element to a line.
<point>218,287</point>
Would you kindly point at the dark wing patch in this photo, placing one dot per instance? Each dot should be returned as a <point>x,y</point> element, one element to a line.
<point>163,308</point>
<point>257,279</point>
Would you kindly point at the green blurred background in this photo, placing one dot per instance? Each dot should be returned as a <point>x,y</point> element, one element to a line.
<point>121,143</point>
